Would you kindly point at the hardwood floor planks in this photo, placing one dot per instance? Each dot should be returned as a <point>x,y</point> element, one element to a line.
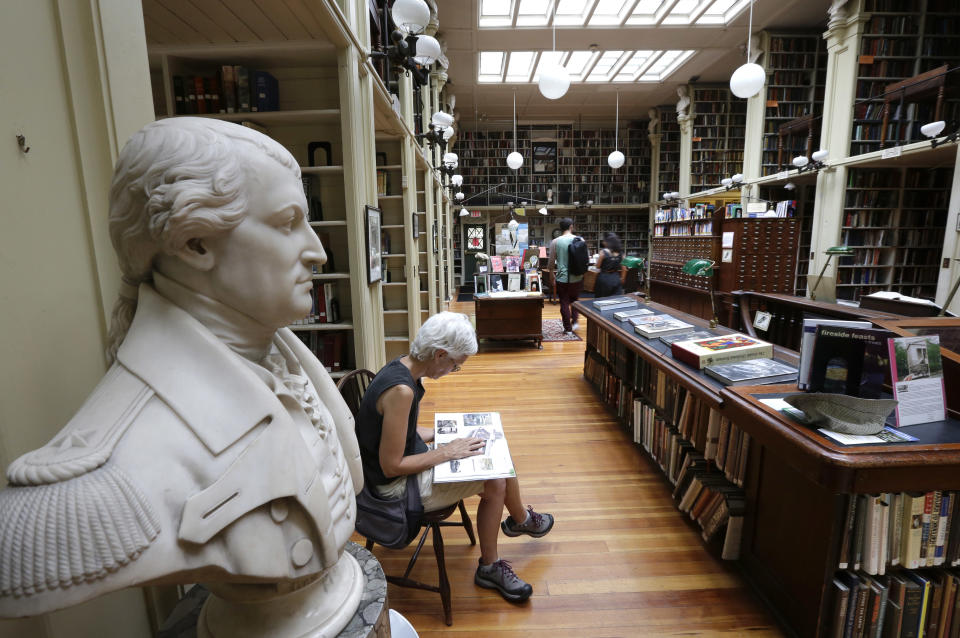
<point>621,561</point>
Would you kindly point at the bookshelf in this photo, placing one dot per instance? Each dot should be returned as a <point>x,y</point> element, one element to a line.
<point>719,126</point>
<point>576,170</point>
<point>901,39</point>
<point>681,234</point>
<point>675,415</point>
<point>805,194</point>
<point>894,218</point>
<point>307,123</point>
<point>669,173</point>
<point>796,75</point>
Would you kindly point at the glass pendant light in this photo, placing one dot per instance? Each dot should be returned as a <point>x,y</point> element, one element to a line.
<point>747,80</point>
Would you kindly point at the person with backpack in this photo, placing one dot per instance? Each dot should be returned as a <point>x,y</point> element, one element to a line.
<point>609,263</point>
<point>569,260</point>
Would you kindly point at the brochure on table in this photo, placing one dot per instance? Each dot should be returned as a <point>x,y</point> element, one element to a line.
<point>494,462</point>
<point>916,370</point>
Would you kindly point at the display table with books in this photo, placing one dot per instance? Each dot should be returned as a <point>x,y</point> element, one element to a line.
<point>513,316</point>
<point>820,528</point>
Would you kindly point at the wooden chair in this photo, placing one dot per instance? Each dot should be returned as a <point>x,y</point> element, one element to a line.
<point>352,388</point>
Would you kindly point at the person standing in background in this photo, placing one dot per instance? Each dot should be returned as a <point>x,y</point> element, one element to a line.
<point>608,281</point>
<point>567,285</point>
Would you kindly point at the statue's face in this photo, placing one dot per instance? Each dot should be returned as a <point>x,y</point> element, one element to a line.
<point>263,266</point>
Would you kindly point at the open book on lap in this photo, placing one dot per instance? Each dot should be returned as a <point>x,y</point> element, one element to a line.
<point>494,462</point>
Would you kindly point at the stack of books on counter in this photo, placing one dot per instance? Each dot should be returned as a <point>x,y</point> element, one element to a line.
<point>612,303</point>
<point>624,315</point>
<point>727,348</point>
<point>658,325</point>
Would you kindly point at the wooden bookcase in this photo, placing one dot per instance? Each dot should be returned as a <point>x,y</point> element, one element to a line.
<point>894,218</point>
<point>796,75</point>
<point>901,39</point>
<point>669,173</point>
<point>577,173</point>
<point>309,112</point>
<point>629,225</point>
<point>804,194</point>
<point>719,127</point>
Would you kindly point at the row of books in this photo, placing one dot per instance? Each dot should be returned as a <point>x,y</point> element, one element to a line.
<point>910,529</point>
<point>329,348</point>
<point>903,604</point>
<point>325,307</point>
<point>235,89</point>
<point>699,211</point>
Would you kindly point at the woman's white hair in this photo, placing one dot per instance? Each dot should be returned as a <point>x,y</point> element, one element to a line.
<point>176,179</point>
<point>448,331</point>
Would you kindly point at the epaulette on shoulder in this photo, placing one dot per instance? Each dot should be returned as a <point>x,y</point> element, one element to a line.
<point>70,532</point>
<point>88,440</point>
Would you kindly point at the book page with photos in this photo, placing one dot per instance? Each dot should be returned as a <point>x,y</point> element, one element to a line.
<point>916,371</point>
<point>494,462</point>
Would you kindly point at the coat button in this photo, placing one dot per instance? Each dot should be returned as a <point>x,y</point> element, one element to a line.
<point>302,552</point>
<point>279,510</point>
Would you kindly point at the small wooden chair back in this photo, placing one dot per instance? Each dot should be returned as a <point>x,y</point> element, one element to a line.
<point>352,387</point>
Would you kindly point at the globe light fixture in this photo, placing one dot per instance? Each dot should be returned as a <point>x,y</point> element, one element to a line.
<point>616,159</point>
<point>933,129</point>
<point>749,78</point>
<point>448,133</point>
<point>800,161</point>
<point>737,178</point>
<point>514,159</point>
<point>727,182</point>
<point>819,156</point>
<point>427,51</point>
<point>554,81</point>
<point>441,119</point>
<point>457,180</point>
<point>458,196</point>
<point>790,186</point>
<point>451,160</point>
<point>411,16</point>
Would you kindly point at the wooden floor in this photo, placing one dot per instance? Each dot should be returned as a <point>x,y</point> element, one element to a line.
<point>620,560</point>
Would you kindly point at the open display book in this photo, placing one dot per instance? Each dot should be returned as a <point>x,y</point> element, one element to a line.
<point>494,462</point>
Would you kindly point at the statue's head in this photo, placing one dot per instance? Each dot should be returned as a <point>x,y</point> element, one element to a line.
<point>652,114</point>
<point>219,208</point>
<point>682,90</point>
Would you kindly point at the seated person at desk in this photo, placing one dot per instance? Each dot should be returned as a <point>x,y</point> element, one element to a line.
<point>608,281</point>
<point>392,447</point>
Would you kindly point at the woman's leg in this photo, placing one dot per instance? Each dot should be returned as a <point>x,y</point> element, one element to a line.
<point>497,493</point>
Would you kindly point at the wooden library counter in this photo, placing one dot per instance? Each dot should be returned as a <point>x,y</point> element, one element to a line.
<point>796,483</point>
<point>512,318</point>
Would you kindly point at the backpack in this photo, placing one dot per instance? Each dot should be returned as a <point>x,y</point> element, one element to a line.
<point>578,259</point>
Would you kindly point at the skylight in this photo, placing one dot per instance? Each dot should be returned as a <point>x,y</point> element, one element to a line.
<point>521,67</point>
<point>579,13</point>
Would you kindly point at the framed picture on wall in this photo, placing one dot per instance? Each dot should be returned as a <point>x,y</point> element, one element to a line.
<point>416,226</point>
<point>544,157</point>
<point>374,258</point>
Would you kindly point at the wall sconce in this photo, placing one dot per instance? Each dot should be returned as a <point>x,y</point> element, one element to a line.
<point>464,212</point>
<point>803,163</point>
<point>933,129</point>
<point>411,49</point>
<point>458,196</point>
<point>671,197</point>
<point>699,267</point>
<point>840,251</point>
<point>441,130</point>
<point>543,210</point>
<point>457,179</point>
<point>450,163</point>
<point>789,186</point>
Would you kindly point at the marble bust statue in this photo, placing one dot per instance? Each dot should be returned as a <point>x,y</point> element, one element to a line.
<point>654,121</point>
<point>683,104</point>
<point>216,449</point>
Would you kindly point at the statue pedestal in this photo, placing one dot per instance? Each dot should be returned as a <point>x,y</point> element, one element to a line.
<point>371,618</point>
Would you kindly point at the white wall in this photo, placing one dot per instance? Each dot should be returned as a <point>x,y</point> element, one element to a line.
<point>74,80</point>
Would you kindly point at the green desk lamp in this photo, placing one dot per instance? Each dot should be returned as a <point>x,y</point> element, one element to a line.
<point>840,251</point>
<point>700,267</point>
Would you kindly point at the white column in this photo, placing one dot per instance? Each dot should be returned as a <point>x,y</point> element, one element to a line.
<point>951,245</point>
<point>843,38</point>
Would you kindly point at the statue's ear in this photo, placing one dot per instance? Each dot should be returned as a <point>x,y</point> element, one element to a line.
<point>196,254</point>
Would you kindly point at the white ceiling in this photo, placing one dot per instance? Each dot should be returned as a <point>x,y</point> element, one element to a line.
<point>719,50</point>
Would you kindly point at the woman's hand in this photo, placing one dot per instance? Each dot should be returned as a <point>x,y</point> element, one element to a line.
<point>462,448</point>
